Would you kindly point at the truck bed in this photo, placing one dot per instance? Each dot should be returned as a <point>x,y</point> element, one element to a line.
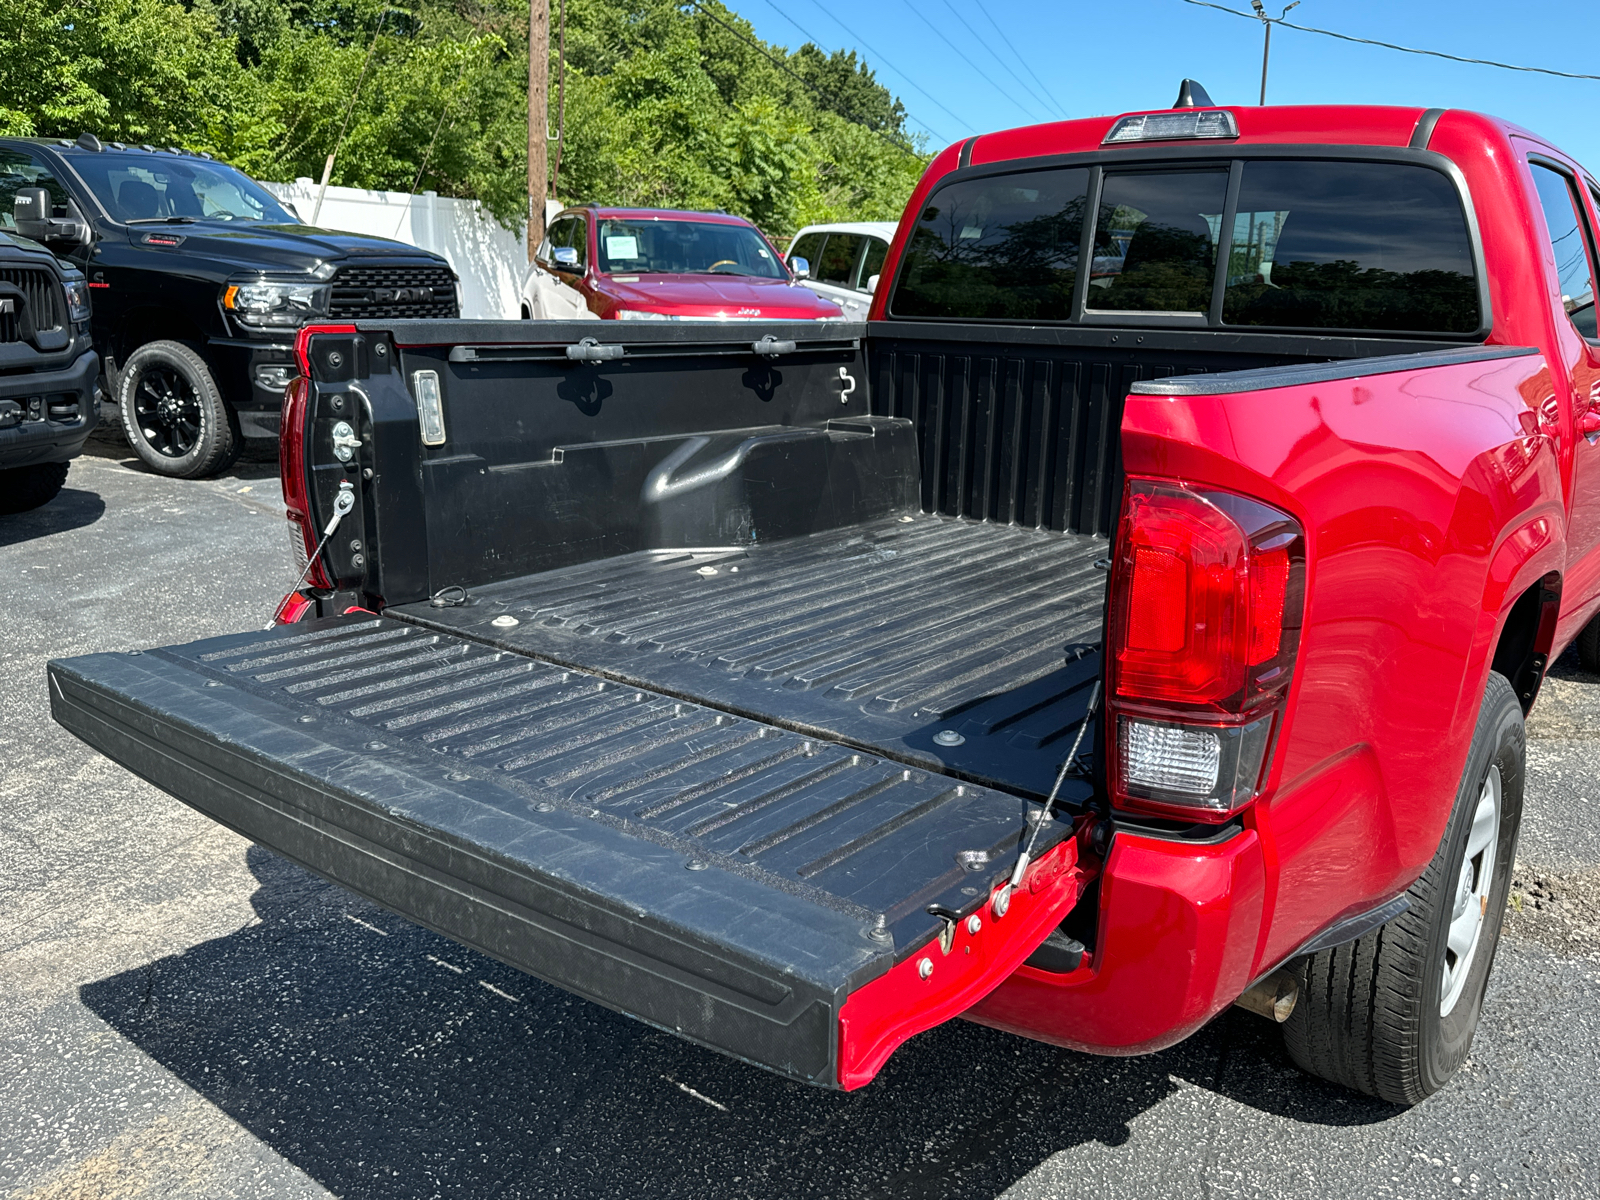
<point>880,636</point>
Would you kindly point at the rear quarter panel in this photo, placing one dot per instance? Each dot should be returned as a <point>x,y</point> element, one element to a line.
<point>1430,499</point>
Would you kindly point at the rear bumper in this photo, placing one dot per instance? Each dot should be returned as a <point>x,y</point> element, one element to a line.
<point>1179,925</point>
<point>38,438</point>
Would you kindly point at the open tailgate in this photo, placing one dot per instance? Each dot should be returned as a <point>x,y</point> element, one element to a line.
<point>797,903</point>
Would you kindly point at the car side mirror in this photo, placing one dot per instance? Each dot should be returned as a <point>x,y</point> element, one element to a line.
<point>31,210</point>
<point>565,256</point>
<point>801,268</point>
<point>872,284</point>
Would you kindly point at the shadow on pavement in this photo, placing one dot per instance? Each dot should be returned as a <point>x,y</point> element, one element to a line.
<point>385,1061</point>
<point>72,508</point>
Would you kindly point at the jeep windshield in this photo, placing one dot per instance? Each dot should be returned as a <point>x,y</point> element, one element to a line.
<point>151,188</point>
<point>650,247</point>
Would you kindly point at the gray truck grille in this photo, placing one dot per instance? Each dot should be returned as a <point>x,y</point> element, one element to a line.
<point>393,293</point>
<point>40,307</point>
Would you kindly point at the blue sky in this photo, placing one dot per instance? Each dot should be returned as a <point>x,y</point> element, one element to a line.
<point>1108,58</point>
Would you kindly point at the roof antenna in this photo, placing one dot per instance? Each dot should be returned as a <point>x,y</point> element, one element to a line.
<point>1192,95</point>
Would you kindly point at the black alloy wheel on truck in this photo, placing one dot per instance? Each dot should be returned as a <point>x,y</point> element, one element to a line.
<point>25,488</point>
<point>173,412</point>
<point>1393,1013</point>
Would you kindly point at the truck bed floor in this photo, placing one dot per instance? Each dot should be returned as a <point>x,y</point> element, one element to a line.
<point>881,636</point>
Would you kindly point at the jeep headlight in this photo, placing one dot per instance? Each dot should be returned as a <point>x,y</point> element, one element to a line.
<point>277,304</point>
<point>76,288</point>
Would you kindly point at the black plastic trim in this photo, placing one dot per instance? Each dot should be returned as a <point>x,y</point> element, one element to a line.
<point>964,159</point>
<point>1348,929</point>
<point>1423,133</point>
<point>1131,338</point>
<point>1265,378</point>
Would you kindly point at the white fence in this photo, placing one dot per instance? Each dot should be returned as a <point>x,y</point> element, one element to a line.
<point>489,258</point>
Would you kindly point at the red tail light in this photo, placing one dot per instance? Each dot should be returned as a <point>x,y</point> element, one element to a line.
<point>292,472</point>
<point>1207,598</point>
<point>292,460</point>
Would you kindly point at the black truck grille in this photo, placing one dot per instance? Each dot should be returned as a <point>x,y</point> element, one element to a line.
<point>393,293</point>
<point>40,304</point>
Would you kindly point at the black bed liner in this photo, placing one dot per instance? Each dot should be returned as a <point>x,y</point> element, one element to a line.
<point>720,877</point>
<point>881,636</point>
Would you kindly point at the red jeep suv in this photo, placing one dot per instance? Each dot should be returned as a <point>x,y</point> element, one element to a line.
<point>647,264</point>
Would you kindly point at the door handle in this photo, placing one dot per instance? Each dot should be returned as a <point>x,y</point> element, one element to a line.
<point>1589,425</point>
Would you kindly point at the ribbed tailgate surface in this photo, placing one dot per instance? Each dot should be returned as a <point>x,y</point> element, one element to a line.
<point>885,635</point>
<point>722,878</point>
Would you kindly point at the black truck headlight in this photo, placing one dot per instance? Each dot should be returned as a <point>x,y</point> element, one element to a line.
<point>76,288</point>
<point>269,303</point>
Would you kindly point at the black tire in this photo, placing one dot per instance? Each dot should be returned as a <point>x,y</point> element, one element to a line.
<point>1368,1016</point>
<point>173,413</point>
<point>1588,643</point>
<point>26,488</point>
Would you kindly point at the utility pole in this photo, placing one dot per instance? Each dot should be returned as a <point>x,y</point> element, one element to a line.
<point>1266,44</point>
<point>561,99</point>
<point>538,118</point>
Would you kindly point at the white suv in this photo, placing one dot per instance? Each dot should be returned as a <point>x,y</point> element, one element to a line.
<point>841,261</point>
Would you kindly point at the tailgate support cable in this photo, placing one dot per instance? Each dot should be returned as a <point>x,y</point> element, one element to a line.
<point>1002,899</point>
<point>343,503</point>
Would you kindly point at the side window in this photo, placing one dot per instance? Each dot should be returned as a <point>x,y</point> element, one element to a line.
<point>574,232</point>
<point>20,170</point>
<point>1570,241</point>
<point>872,263</point>
<point>808,248</point>
<point>838,260</point>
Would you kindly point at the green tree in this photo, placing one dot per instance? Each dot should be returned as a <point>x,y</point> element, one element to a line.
<point>665,104</point>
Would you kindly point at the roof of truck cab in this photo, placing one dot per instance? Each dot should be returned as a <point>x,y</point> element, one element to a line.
<point>1319,124</point>
<point>657,214</point>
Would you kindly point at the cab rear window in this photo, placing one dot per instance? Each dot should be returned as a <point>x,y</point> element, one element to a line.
<point>1312,245</point>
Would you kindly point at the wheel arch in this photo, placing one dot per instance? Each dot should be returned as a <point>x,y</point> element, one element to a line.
<point>1527,635</point>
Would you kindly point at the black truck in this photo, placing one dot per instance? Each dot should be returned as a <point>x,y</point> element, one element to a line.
<point>200,278</point>
<point>47,371</point>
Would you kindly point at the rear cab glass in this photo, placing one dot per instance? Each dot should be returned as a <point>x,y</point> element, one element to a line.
<point>1269,243</point>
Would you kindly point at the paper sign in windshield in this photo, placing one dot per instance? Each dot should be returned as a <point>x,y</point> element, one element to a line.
<point>618,246</point>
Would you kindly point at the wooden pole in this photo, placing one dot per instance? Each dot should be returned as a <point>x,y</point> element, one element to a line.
<point>538,118</point>
<point>561,100</point>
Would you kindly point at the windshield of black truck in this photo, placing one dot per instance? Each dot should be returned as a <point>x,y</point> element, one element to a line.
<point>1313,245</point>
<point>155,188</point>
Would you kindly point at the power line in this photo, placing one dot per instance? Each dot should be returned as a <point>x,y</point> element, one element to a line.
<point>1020,59</point>
<point>804,82</point>
<point>819,42</point>
<point>1004,65</point>
<point>907,79</point>
<point>980,71</point>
<point>1345,37</point>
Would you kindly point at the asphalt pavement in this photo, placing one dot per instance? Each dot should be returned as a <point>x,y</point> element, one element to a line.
<point>185,1015</point>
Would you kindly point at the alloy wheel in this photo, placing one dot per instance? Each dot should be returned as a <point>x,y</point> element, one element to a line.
<point>1470,902</point>
<point>167,409</point>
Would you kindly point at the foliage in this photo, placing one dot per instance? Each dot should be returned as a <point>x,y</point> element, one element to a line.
<point>666,104</point>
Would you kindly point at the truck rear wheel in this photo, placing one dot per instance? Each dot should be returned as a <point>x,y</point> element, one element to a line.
<point>173,413</point>
<point>1393,1013</point>
<point>1588,643</point>
<point>26,488</point>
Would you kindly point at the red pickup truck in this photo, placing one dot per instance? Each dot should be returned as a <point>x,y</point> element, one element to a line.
<point>1136,616</point>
